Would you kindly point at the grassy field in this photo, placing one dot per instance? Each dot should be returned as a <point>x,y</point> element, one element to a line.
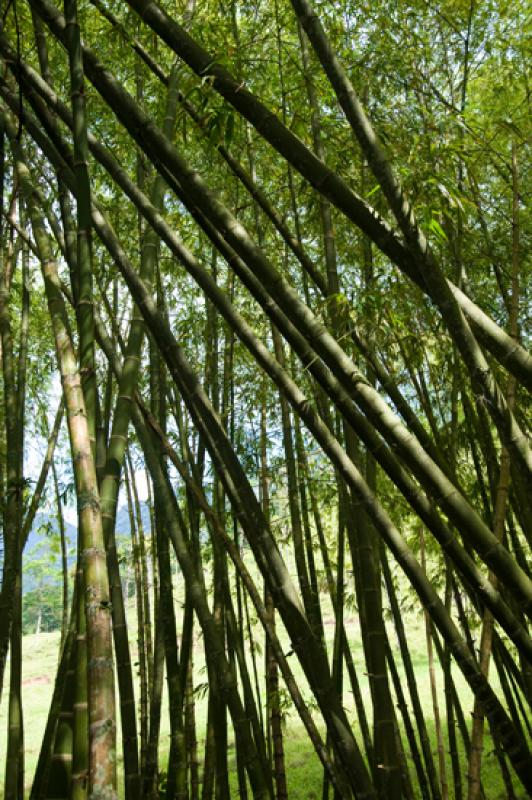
<point>304,771</point>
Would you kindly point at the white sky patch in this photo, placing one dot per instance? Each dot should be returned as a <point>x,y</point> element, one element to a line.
<point>35,451</point>
<point>142,485</point>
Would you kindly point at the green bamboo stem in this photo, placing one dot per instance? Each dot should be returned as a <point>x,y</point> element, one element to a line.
<point>435,283</point>
<point>54,765</point>
<point>317,173</point>
<point>141,627</point>
<point>102,767</point>
<point>64,554</point>
<point>56,780</point>
<point>325,344</point>
<point>14,375</point>
<point>12,505</point>
<point>424,508</point>
<point>48,461</point>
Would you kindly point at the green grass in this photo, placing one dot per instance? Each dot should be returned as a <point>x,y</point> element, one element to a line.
<point>304,772</point>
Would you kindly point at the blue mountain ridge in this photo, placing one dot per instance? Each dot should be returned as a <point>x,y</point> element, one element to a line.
<point>42,557</point>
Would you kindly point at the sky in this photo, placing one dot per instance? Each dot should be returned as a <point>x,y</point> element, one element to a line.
<point>35,450</point>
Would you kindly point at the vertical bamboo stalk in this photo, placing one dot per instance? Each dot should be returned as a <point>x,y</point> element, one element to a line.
<point>433,685</point>
<point>501,500</point>
<point>101,700</point>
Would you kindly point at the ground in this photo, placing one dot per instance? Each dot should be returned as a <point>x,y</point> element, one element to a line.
<point>40,653</point>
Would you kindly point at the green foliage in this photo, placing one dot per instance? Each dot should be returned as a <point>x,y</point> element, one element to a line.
<point>42,609</point>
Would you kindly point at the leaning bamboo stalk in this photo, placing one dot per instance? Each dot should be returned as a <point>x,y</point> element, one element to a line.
<point>436,285</point>
<point>247,179</point>
<point>84,300</point>
<point>60,709</point>
<point>449,497</point>
<point>176,772</point>
<point>64,553</point>
<point>273,706</point>
<point>158,148</point>
<point>449,706</point>
<point>422,505</point>
<point>145,582</point>
<point>12,511</point>
<point>141,641</point>
<point>14,373</point>
<point>43,474</point>
<point>321,177</point>
<point>433,687</point>
<point>125,681</point>
<point>411,681</point>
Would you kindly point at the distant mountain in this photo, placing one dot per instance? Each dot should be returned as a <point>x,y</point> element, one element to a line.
<point>122,519</point>
<point>41,560</point>
<point>44,527</point>
<point>42,556</point>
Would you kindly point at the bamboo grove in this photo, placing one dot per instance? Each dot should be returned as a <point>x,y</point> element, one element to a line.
<point>273,256</point>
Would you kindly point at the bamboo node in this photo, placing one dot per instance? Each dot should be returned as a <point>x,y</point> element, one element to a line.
<point>80,776</point>
<point>88,500</point>
<point>100,662</point>
<point>93,551</point>
<point>93,607</point>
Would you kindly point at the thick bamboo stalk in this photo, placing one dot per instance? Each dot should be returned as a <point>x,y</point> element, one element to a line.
<point>102,763</point>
